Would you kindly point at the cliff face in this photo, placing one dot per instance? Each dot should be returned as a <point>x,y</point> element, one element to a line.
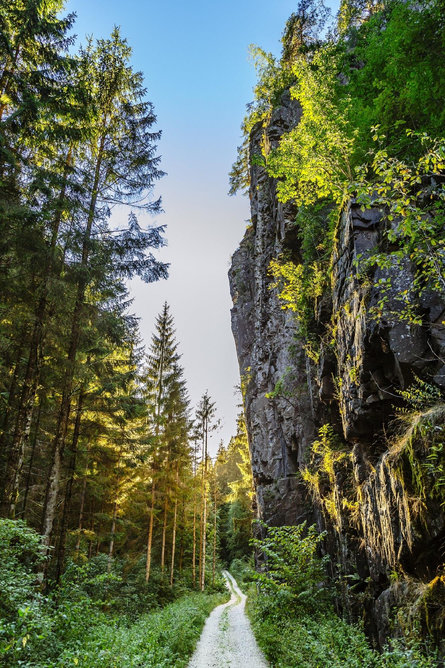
<point>280,429</point>
<point>382,503</point>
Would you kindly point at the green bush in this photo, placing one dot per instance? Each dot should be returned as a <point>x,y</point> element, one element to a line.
<point>243,570</point>
<point>292,614</point>
<point>294,575</point>
<point>20,553</point>
<point>158,639</point>
<point>100,614</point>
<point>313,640</point>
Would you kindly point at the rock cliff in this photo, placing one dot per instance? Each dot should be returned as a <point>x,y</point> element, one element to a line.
<point>381,499</point>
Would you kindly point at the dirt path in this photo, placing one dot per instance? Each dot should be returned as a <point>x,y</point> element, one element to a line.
<point>227,640</point>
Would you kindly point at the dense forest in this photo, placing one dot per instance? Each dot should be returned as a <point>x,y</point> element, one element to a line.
<point>115,520</point>
<point>111,503</point>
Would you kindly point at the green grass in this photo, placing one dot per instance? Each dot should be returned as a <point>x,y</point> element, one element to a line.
<point>82,635</point>
<point>157,639</point>
<point>317,641</point>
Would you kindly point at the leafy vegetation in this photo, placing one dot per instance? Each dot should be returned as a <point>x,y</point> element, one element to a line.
<point>364,102</point>
<point>96,613</point>
<point>235,495</point>
<point>292,614</point>
<point>377,76</point>
<point>112,507</point>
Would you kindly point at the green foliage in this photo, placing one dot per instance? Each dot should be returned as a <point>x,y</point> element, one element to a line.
<point>159,639</point>
<point>434,466</point>
<point>412,197</point>
<point>325,639</point>
<point>243,570</point>
<point>21,552</point>
<point>327,458</point>
<point>381,72</point>
<point>236,492</point>
<point>396,72</point>
<point>280,389</point>
<point>294,575</point>
<point>313,160</point>
<point>97,614</point>
<point>292,616</point>
<point>420,395</point>
<point>299,287</point>
<point>303,29</point>
<point>419,451</point>
<point>272,81</point>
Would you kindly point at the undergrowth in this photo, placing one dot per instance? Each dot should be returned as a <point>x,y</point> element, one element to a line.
<point>166,638</point>
<point>323,639</point>
<point>308,633</point>
<point>98,615</point>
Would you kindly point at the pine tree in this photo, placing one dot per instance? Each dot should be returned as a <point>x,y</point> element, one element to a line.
<point>236,496</point>
<point>168,421</point>
<point>118,166</point>
<point>205,423</point>
<point>35,114</point>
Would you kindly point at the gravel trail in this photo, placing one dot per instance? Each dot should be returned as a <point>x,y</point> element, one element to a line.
<point>227,640</point>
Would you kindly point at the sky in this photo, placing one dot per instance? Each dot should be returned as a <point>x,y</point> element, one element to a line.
<point>198,74</point>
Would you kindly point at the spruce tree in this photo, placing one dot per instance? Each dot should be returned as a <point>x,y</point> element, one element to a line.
<point>118,166</point>
<point>168,421</point>
<point>205,423</point>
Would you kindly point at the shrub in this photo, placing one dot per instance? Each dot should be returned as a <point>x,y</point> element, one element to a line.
<point>294,575</point>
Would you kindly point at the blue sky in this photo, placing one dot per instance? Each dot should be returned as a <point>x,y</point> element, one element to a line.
<point>194,57</point>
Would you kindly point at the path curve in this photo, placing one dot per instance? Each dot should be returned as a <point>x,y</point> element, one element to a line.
<point>227,640</point>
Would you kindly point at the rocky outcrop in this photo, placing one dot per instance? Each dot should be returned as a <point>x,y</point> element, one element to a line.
<point>280,428</point>
<point>382,502</point>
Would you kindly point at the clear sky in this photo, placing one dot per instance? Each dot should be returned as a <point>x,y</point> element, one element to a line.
<point>194,56</point>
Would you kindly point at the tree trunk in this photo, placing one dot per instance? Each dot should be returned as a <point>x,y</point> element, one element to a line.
<point>201,516</point>
<point>204,507</point>
<point>12,390</point>
<point>204,540</point>
<point>33,367</point>
<point>20,440</point>
<point>90,542</point>
<point>150,531</point>
<point>175,514</point>
<point>164,523</point>
<point>82,506</point>
<point>214,534</point>
<point>69,487</point>
<point>62,423</point>
<point>113,533</point>
<point>153,485</point>
<point>182,524</point>
<point>164,533</point>
<point>194,542</point>
<point>31,459</point>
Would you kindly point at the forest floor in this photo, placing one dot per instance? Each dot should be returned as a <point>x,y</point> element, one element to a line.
<point>227,640</point>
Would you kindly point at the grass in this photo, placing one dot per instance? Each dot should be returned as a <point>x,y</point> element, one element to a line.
<point>87,638</point>
<point>323,639</point>
<point>157,639</point>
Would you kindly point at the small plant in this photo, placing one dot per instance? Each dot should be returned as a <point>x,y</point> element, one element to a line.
<point>420,395</point>
<point>280,389</point>
<point>294,574</point>
<point>412,197</point>
<point>327,456</point>
<point>434,466</point>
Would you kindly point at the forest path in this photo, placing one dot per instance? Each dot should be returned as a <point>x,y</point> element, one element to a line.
<point>227,640</point>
